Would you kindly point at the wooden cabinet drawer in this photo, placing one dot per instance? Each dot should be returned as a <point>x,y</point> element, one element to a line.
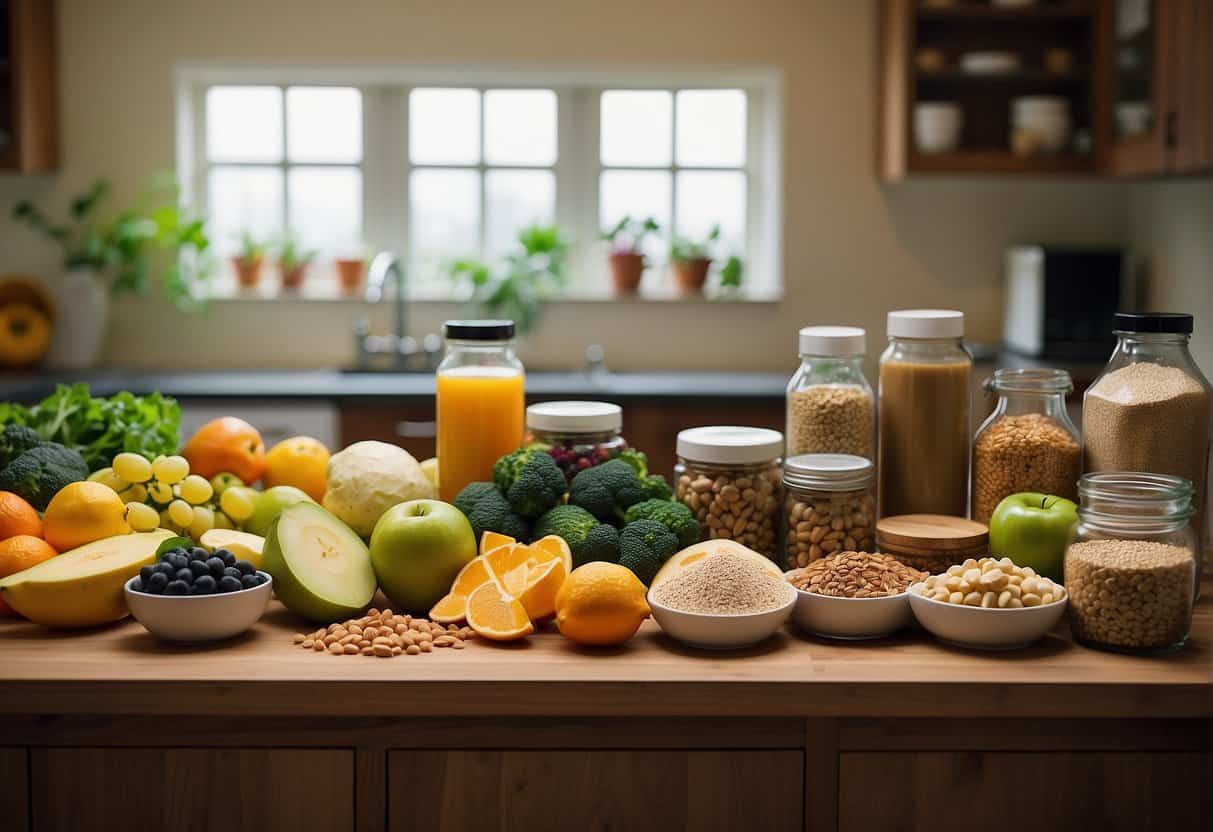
<point>14,789</point>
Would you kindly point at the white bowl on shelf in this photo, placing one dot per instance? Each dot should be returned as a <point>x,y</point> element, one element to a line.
<point>851,619</point>
<point>937,126</point>
<point>1132,117</point>
<point>721,632</point>
<point>195,618</point>
<point>983,628</point>
<point>989,63</point>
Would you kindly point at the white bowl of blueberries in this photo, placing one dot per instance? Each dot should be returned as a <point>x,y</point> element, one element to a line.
<point>192,595</point>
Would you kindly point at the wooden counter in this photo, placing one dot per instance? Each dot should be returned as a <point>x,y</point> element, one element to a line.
<point>113,725</point>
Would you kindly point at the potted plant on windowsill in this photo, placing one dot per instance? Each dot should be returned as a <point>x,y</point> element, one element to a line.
<point>516,286</point>
<point>293,261</point>
<point>627,252</point>
<point>247,262</point>
<point>349,268</point>
<point>692,260</point>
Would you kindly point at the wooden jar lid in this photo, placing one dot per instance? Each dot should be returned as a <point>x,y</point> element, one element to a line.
<point>924,534</point>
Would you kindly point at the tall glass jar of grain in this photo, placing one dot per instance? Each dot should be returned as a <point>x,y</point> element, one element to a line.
<point>1028,443</point>
<point>924,436</point>
<point>1130,565</point>
<point>1152,409</point>
<point>830,405</point>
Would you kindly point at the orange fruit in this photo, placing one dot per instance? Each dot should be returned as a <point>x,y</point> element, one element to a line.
<point>81,513</point>
<point>497,615</point>
<point>542,583</point>
<point>228,445</point>
<point>300,461</point>
<point>553,547</point>
<point>19,553</point>
<point>601,603</point>
<point>452,607</point>
<point>492,540</point>
<point>17,517</point>
<point>505,559</point>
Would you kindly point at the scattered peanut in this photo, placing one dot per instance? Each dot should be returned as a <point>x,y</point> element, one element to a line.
<point>990,583</point>
<point>856,575</point>
<point>739,504</point>
<point>383,634</point>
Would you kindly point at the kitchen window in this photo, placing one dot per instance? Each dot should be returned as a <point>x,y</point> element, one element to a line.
<point>443,166</point>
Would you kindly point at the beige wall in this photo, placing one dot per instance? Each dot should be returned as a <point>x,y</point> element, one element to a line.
<point>852,248</point>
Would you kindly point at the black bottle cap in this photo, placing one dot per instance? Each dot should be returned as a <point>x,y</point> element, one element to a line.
<point>479,330</point>
<point>1167,323</point>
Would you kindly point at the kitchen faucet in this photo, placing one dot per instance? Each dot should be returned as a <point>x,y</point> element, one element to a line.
<point>400,345</point>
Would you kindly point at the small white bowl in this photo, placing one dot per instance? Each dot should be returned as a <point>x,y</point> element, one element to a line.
<point>982,628</point>
<point>194,618</point>
<point>853,619</point>
<point>989,63</point>
<point>721,632</point>
<point>937,126</point>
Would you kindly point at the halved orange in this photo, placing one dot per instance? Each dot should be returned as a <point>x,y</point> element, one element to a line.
<point>452,607</point>
<point>553,546</point>
<point>493,540</point>
<point>543,581</point>
<point>496,615</point>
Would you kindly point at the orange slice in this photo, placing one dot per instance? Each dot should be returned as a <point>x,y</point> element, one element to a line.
<point>452,607</point>
<point>504,559</point>
<point>515,580</point>
<point>543,581</point>
<point>492,540</point>
<point>553,546</point>
<point>496,615</point>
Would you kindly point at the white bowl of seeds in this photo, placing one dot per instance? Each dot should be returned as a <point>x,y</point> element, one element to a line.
<point>853,595</point>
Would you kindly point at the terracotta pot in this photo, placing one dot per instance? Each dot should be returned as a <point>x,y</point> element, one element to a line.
<point>349,273</point>
<point>248,272</point>
<point>627,268</point>
<point>292,278</point>
<point>692,274</point>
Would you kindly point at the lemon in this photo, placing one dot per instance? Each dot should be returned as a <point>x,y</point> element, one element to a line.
<point>600,604</point>
<point>81,513</point>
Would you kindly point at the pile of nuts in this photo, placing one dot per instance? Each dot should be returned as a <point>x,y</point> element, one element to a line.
<point>856,575</point>
<point>1135,594</point>
<point>741,504</point>
<point>834,523</point>
<point>383,634</point>
<point>830,419</point>
<point>991,583</point>
<point>1030,452</point>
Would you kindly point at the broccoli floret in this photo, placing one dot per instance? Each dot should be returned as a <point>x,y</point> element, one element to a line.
<point>487,509</point>
<point>587,538</point>
<point>674,516</point>
<point>637,459</point>
<point>643,546</point>
<point>39,473</point>
<point>530,479</point>
<point>656,488</point>
<point>16,440</point>
<point>607,490</point>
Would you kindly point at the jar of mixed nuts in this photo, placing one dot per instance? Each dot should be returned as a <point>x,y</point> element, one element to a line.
<point>830,405</point>
<point>830,506</point>
<point>1130,567</point>
<point>730,478</point>
<point>578,435</point>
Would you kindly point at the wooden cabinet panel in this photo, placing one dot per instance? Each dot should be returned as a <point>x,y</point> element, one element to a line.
<point>216,790</point>
<point>662,791</point>
<point>950,790</point>
<point>14,790</point>
<point>412,427</point>
<point>653,426</point>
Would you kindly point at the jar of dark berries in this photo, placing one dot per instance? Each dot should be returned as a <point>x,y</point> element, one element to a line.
<point>578,435</point>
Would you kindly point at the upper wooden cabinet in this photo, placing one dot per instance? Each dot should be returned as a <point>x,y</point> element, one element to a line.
<point>1134,77</point>
<point>29,106</point>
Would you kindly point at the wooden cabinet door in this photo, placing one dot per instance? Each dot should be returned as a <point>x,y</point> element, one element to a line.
<point>534,790</point>
<point>942,791</point>
<point>14,790</point>
<point>412,427</point>
<point>1135,74</point>
<point>209,790</point>
<point>1191,48</point>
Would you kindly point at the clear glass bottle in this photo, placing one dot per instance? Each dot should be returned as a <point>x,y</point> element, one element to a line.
<point>1130,566</point>
<point>830,506</point>
<point>578,435</point>
<point>830,405</point>
<point>480,399</point>
<point>730,477</point>
<point>1152,409</point>
<point>925,437</point>
<point>1028,443</point>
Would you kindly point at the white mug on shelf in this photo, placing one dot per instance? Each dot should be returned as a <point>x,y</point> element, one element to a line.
<point>937,126</point>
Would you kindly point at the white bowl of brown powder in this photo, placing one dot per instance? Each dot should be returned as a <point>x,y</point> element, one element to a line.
<point>723,601</point>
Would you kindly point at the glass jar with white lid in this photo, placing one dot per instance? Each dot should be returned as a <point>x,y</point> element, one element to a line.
<point>578,434</point>
<point>831,408</point>
<point>830,506</point>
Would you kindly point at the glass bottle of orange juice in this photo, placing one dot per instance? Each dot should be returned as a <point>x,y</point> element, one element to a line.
<point>481,402</point>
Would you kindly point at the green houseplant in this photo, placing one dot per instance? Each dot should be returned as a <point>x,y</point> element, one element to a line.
<point>692,259</point>
<point>517,285</point>
<point>627,251</point>
<point>247,261</point>
<point>293,261</point>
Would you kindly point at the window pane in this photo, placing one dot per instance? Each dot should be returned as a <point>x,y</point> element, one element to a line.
<point>326,207</point>
<point>444,126</point>
<point>244,199</point>
<point>244,124</point>
<point>636,128</point>
<point>707,198</point>
<point>324,124</point>
<point>520,127</point>
<point>444,213</point>
<point>638,194</point>
<point>516,199</point>
<point>711,127</point>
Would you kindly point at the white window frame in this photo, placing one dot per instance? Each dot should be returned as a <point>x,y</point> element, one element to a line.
<point>386,166</point>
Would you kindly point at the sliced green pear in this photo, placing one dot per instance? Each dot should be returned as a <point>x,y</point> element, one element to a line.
<point>244,545</point>
<point>322,570</point>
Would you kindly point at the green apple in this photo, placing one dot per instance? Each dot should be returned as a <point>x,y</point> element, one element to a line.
<point>1032,529</point>
<point>322,570</point>
<point>268,504</point>
<point>417,549</point>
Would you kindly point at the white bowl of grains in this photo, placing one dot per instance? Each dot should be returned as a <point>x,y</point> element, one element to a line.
<point>853,595</point>
<point>723,601</point>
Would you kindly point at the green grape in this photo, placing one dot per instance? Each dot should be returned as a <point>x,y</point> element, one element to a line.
<point>106,476</point>
<point>142,517</point>
<point>166,521</point>
<point>237,503</point>
<point>196,490</point>
<point>160,492</point>
<point>181,513</point>
<point>136,493</point>
<point>222,521</point>
<point>132,467</point>
<point>203,522</point>
<point>170,470</point>
<point>222,482</point>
